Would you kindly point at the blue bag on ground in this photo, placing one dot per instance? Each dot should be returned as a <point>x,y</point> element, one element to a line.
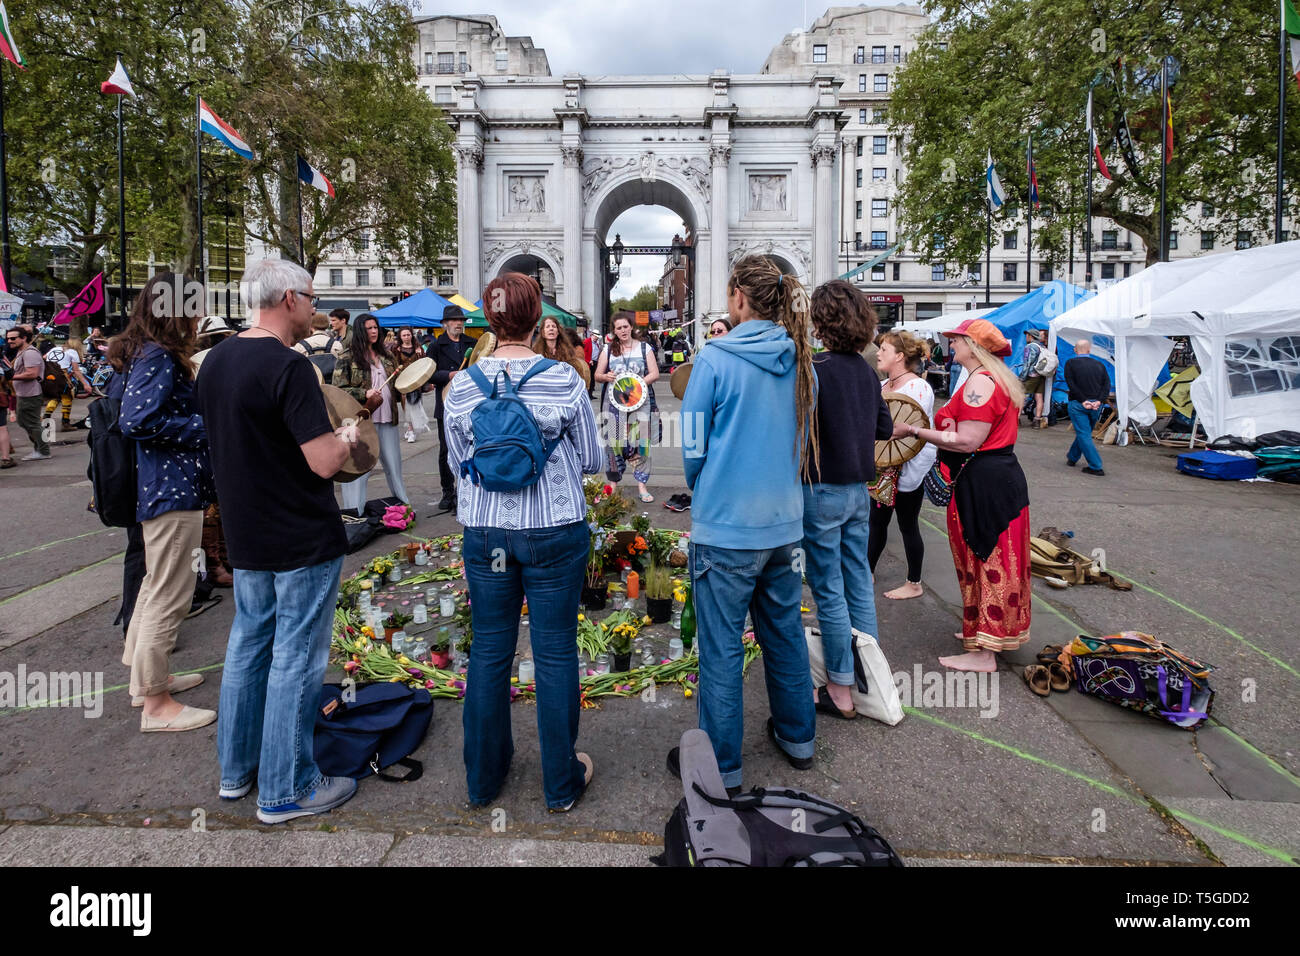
<point>382,726</point>
<point>509,450</point>
<point>1215,464</point>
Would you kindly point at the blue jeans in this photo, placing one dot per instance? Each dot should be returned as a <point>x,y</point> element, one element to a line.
<point>1084,420</point>
<point>726,582</point>
<point>502,567</point>
<point>270,688</point>
<point>836,531</point>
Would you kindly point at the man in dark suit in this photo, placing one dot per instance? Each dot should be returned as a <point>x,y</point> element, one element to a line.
<point>448,352</point>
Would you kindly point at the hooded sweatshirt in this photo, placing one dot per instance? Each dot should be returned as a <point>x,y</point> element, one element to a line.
<point>738,435</point>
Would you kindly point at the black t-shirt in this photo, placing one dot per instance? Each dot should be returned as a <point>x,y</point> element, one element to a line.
<point>260,401</point>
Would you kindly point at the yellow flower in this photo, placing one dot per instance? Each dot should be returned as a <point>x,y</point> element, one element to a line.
<point>582,617</point>
<point>514,680</point>
<point>646,619</point>
<point>688,692</point>
<point>395,680</point>
<point>401,659</point>
<point>804,609</point>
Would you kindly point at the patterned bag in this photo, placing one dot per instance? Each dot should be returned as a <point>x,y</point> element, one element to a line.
<point>938,488</point>
<point>1141,673</point>
<point>885,488</point>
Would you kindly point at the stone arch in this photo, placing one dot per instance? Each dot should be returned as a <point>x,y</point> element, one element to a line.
<point>790,259</point>
<point>502,254</point>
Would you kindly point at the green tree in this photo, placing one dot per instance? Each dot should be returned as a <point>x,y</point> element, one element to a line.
<point>989,72</point>
<point>643,300</point>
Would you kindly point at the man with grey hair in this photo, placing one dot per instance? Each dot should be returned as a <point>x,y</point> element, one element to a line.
<point>274,453</point>
<point>1089,387</point>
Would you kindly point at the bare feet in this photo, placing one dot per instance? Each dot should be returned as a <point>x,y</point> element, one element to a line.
<point>841,694</point>
<point>983,661</point>
<point>911,589</point>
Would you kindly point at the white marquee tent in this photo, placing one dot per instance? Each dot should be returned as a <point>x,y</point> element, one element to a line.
<point>1241,312</point>
<point>934,328</point>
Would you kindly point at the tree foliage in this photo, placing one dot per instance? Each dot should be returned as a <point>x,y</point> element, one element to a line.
<point>1015,67</point>
<point>643,300</point>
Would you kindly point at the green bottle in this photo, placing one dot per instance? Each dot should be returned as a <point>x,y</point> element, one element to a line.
<point>688,620</point>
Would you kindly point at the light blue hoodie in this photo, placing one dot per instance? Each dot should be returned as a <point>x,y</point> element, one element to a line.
<point>738,429</point>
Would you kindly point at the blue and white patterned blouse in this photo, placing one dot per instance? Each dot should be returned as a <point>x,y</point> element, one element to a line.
<point>171,452</point>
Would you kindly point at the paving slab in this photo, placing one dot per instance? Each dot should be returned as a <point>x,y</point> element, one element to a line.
<point>1274,829</point>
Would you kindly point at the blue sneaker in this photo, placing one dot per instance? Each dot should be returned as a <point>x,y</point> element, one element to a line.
<point>332,792</point>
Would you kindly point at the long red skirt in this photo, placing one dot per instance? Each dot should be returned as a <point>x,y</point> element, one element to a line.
<point>995,593</point>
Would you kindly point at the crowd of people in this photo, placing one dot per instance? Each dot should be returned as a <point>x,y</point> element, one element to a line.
<point>235,457</point>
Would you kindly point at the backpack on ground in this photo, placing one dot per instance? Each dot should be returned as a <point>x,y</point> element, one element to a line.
<point>509,448</point>
<point>112,465</point>
<point>765,827</point>
<point>381,725</point>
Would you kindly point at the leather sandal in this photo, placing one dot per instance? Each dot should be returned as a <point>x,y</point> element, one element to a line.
<point>1038,679</point>
<point>1049,653</point>
<point>1059,677</point>
<point>826,705</point>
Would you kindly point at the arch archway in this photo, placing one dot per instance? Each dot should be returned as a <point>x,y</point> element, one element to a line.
<point>530,259</point>
<point>532,265</point>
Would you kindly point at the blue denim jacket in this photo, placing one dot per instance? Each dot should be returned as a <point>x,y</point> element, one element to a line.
<point>171,452</point>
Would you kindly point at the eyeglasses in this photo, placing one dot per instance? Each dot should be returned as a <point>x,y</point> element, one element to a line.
<point>313,299</point>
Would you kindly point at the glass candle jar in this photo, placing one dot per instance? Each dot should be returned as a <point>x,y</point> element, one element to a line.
<point>526,671</point>
<point>675,649</point>
<point>446,604</point>
<point>602,664</point>
<point>395,575</point>
<point>422,557</point>
<point>399,642</point>
<point>419,614</point>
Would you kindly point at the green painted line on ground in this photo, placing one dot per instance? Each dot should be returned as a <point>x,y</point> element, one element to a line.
<point>1291,778</point>
<point>1103,786</point>
<point>106,690</point>
<point>62,577</point>
<point>42,547</point>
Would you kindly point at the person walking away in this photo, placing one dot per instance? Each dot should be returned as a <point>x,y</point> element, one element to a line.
<point>273,452</point>
<point>1036,383</point>
<point>448,352</point>
<point>362,373</point>
<point>68,358</point>
<point>529,545</point>
<point>988,516</point>
<point>836,507</point>
<point>751,394</point>
<point>173,485</point>
<point>630,433</point>
<point>1089,385</point>
<point>899,359</point>
<point>28,368</point>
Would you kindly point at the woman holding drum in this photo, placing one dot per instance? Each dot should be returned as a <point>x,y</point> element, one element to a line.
<point>629,371</point>
<point>364,373</point>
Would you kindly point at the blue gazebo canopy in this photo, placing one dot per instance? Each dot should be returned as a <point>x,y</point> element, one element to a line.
<point>422,310</point>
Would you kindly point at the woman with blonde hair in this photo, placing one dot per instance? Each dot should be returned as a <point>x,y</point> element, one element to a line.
<point>988,514</point>
<point>900,359</point>
<point>752,435</point>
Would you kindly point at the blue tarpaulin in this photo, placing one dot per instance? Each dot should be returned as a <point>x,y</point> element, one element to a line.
<point>421,311</point>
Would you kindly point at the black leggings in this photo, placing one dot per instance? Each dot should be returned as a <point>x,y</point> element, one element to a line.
<point>908,506</point>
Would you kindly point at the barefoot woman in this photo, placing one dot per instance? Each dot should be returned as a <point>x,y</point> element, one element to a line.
<point>988,517</point>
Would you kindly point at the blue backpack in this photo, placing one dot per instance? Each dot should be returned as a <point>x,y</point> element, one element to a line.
<point>381,726</point>
<point>509,450</point>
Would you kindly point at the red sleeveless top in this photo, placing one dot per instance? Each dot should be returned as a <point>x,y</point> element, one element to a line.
<point>998,411</point>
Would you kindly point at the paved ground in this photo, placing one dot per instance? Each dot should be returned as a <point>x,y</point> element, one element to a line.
<point>1010,778</point>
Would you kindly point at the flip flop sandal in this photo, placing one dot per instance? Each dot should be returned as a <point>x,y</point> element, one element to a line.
<point>1059,676</point>
<point>1038,679</point>
<point>647,497</point>
<point>826,705</point>
<point>1049,653</point>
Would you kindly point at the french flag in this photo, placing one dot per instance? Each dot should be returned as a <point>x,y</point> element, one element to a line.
<point>118,83</point>
<point>312,176</point>
<point>220,130</point>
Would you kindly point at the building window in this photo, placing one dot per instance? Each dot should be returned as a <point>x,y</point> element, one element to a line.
<point>1010,239</point>
<point>938,242</point>
<point>443,95</point>
<point>1009,271</point>
<point>860,55</point>
<point>390,278</point>
<point>819,52</point>
<point>881,83</point>
<point>1108,270</point>
<point>336,277</point>
<point>1110,238</point>
<point>879,145</point>
<point>428,277</point>
<point>859,146</point>
<point>1173,238</point>
<point>1044,272</point>
<point>862,120</point>
<point>879,207</point>
<point>446,277</point>
<point>943,47</point>
<point>878,273</point>
<point>1207,239</point>
<point>879,172</point>
<point>878,115</point>
<point>464,63</point>
<point>896,271</point>
<point>976,271</point>
<point>363,242</point>
<point>937,272</point>
<point>857,240</point>
<point>879,239</point>
<point>363,277</point>
<point>428,63</point>
<point>1207,210</point>
<point>1243,239</point>
<point>502,60</point>
<point>862,82</point>
<point>446,62</point>
<point>898,54</point>
<point>859,179</point>
<point>877,54</point>
<point>857,209</point>
<point>1128,269</point>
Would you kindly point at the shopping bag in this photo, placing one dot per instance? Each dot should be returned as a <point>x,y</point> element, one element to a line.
<point>874,693</point>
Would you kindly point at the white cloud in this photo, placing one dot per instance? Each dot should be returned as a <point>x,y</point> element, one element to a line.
<point>642,226</point>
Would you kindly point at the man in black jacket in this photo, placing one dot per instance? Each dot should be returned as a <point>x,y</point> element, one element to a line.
<point>448,352</point>
<point>1089,387</point>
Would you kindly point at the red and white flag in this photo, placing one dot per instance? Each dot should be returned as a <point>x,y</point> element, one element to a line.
<point>119,82</point>
<point>1093,145</point>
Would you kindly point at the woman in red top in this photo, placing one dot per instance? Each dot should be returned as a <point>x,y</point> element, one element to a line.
<point>988,517</point>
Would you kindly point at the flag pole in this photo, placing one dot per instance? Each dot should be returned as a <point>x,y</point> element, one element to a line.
<point>988,250</point>
<point>1281,116</point>
<point>302,255</point>
<point>4,191</point>
<point>198,153</point>
<point>1164,149</point>
<point>1072,230</point>
<point>121,213</point>
<point>1029,207</point>
<point>1087,235</point>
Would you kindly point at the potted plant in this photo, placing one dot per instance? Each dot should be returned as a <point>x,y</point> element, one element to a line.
<point>440,656</point>
<point>395,622</point>
<point>593,638</point>
<point>658,579</point>
<point>622,628</point>
<point>593,583</point>
<point>412,548</point>
<point>464,619</point>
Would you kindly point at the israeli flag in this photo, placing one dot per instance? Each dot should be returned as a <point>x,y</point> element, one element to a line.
<point>996,194</point>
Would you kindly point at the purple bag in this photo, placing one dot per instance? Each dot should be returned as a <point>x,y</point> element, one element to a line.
<point>1141,673</point>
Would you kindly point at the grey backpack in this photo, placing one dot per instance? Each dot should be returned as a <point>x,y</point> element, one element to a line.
<point>765,827</point>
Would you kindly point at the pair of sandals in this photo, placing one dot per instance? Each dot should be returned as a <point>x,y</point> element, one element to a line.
<point>1049,674</point>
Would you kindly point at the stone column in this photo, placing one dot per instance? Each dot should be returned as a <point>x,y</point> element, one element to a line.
<point>720,209</point>
<point>469,229</point>
<point>572,299</point>
<point>823,157</point>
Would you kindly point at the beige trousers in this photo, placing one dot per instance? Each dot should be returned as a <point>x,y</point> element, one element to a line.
<point>171,542</point>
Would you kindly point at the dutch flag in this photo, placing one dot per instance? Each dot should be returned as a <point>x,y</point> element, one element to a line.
<point>996,194</point>
<point>118,83</point>
<point>220,130</point>
<point>312,176</point>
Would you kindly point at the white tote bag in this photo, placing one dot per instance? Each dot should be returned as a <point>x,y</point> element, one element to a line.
<point>418,416</point>
<point>880,701</point>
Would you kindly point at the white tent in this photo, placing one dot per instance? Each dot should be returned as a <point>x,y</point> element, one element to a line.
<point>1241,312</point>
<point>11,306</point>
<point>933,328</point>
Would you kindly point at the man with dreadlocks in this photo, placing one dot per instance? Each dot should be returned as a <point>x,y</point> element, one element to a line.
<point>749,433</point>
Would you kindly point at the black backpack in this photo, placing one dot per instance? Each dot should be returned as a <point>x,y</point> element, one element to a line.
<point>765,827</point>
<point>112,465</point>
<point>323,358</point>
